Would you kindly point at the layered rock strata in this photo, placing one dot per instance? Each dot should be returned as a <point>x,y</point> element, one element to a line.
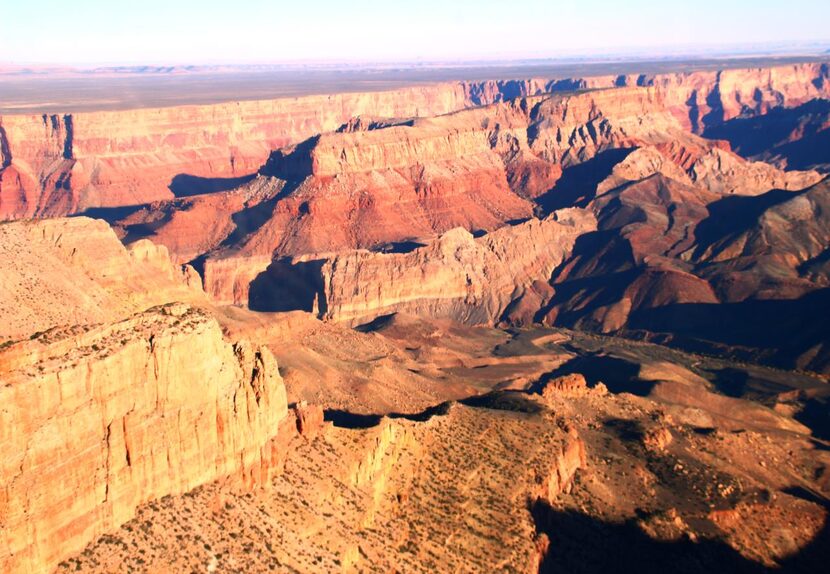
<point>457,276</point>
<point>97,421</point>
<point>111,394</point>
<point>65,163</point>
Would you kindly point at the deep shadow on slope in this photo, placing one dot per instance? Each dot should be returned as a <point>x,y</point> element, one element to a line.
<point>186,185</point>
<point>288,286</point>
<point>782,330</point>
<point>582,544</point>
<point>735,214</point>
<point>578,183</point>
<point>769,135</point>
<point>350,420</point>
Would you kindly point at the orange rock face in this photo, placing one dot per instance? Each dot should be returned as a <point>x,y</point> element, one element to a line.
<point>107,404</point>
<point>98,421</point>
<point>407,180</point>
<point>568,385</point>
<point>309,419</point>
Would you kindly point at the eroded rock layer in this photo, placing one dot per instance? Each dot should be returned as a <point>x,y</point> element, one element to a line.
<point>65,163</point>
<point>455,276</point>
<point>106,404</point>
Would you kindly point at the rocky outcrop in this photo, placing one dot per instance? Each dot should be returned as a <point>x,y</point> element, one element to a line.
<point>455,276</point>
<point>309,419</point>
<point>572,385</point>
<point>99,420</point>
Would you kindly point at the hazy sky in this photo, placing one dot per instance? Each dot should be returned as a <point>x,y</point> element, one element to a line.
<point>200,31</point>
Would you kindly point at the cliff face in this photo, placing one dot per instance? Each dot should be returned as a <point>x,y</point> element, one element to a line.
<point>455,276</point>
<point>101,420</point>
<point>107,404</point>
<point>478,169</point>
<point>60,164</point>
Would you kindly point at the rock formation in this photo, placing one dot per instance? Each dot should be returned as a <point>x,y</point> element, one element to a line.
<point>97,421</point>
<point>112,394</point>
<point>455,276</point>
<point>672,250</point>
<point>65,163</point>
<point>424,217</point>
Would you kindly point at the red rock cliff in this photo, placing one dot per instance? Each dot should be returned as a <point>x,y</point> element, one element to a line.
<point>60,164</point>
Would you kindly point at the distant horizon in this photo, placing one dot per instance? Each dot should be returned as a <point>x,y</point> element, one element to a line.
<point>88,33</point>
<point>807,49</point>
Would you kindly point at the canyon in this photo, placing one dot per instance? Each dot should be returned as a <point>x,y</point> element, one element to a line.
<point>532,325</point>
<point>58,164</point>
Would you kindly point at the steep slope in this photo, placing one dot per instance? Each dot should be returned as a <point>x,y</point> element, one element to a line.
<point>384,183</point>
<point>446,491</point>
<point>113,393</point>
<point>672,469</point>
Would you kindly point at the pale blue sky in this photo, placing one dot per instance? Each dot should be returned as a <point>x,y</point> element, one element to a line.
<point>238,31</point>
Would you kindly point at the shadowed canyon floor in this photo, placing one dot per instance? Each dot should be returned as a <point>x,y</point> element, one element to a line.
<point>483,326</point>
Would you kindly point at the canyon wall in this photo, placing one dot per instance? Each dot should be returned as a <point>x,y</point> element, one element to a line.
<point>392,186</point>
<point>455,276</point>
<point>99,421</point>
<point>65,163</point>
<point>115,389</point>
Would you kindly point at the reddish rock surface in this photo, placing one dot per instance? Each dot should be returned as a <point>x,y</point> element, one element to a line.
<point>309,419</point>
<point>572,385</point>
<point>65,163</point>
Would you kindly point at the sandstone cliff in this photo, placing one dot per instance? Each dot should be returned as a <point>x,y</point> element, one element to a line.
<point>97,421</point>
<point>106,404</point>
